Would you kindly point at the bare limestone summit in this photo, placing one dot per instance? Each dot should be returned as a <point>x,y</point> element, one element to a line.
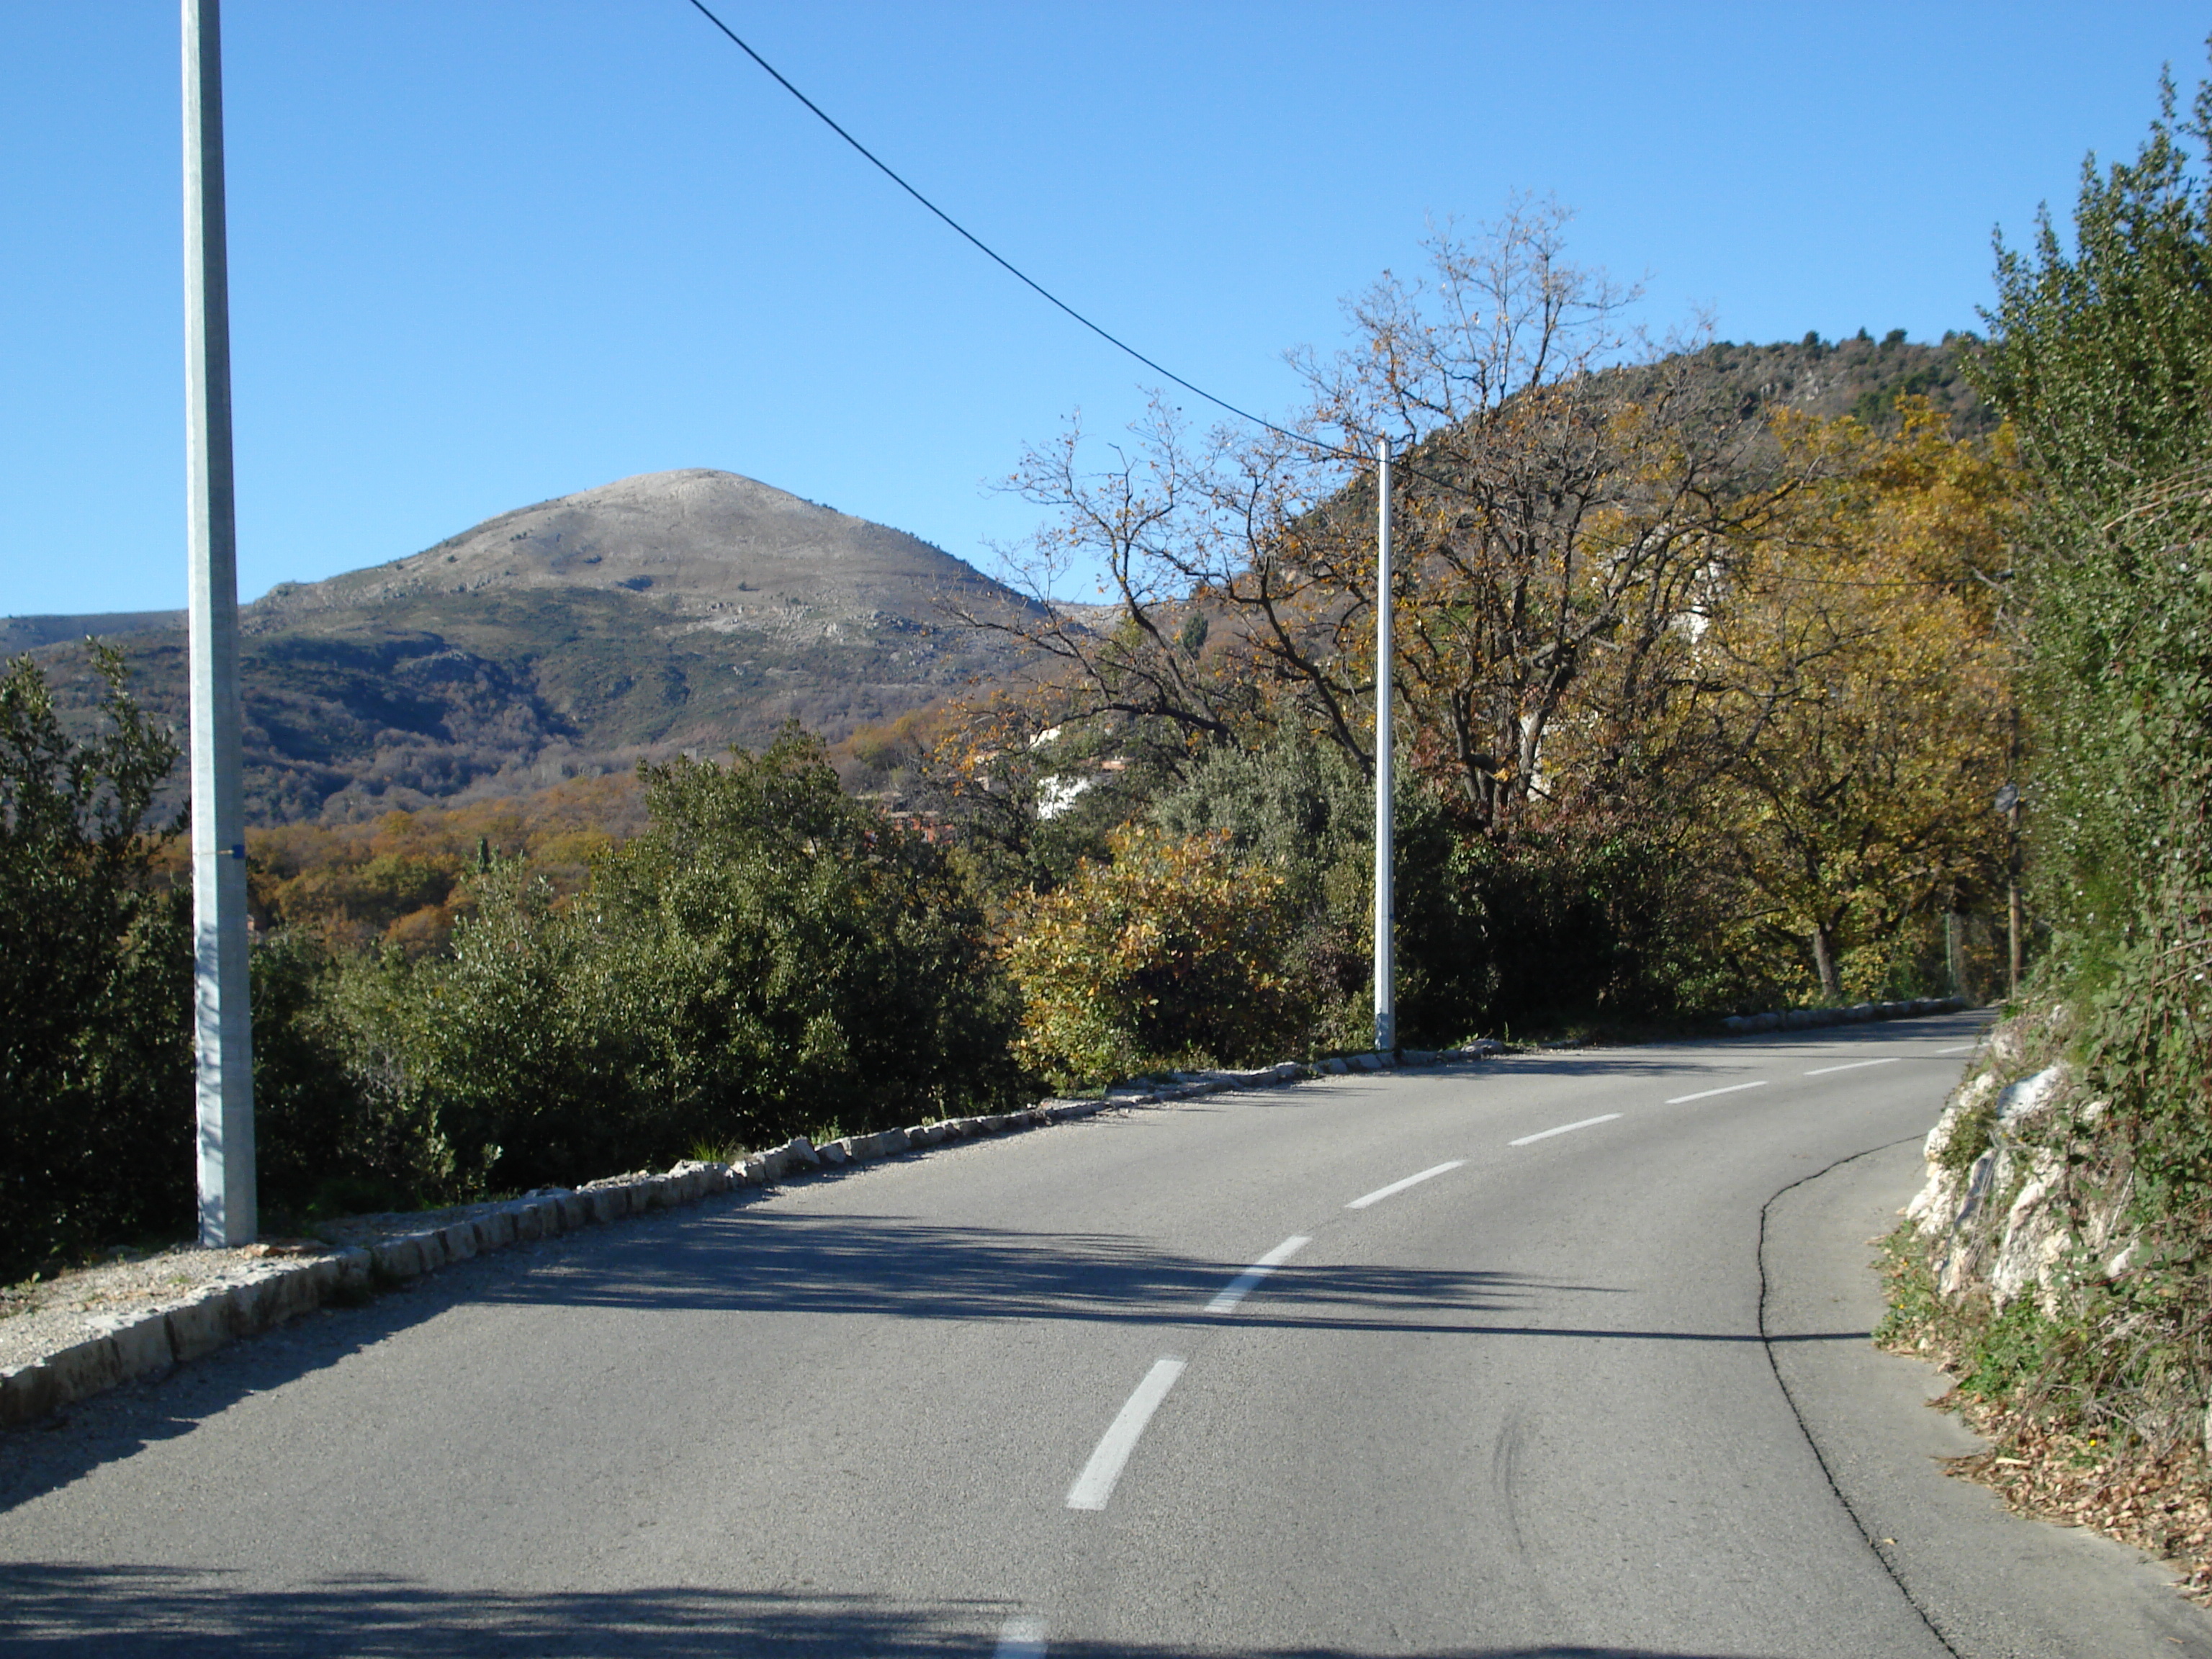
<point>719,545</point>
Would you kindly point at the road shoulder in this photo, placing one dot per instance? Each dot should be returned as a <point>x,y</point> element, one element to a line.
<point>1991,1582</point>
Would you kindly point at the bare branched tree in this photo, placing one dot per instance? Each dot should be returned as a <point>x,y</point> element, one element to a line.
<point>1568,500</point>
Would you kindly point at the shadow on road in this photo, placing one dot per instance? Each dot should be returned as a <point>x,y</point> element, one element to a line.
<point>759,1260</point>
<point>156,1612</point>
<point>748,1256</point>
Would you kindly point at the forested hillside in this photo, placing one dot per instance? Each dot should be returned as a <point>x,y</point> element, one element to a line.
<point>1703,676</point>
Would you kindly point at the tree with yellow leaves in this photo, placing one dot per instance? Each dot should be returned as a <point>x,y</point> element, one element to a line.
<point>1858,677</point>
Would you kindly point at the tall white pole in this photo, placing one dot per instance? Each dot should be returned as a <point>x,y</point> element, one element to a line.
<point>221,1013</point>
<point>1386,995</point>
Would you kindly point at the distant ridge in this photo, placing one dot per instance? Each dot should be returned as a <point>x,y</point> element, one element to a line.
<point>21,634</point>
<point>688,610</point>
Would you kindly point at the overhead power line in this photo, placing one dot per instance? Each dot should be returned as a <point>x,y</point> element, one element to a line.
<point>1008,265</point>
<point>1114,340</point>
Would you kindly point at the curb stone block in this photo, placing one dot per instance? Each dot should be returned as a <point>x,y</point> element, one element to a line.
<point>141,1345</point>
<point>608,1203</point>
<point>355,1269</point>
<point>26,1394</point>
<point>495,1231</point>
<point>460,1240</point>
<point>255,1305</point>
<point>201,1326</point>
<point>835,1154</point>
<point>530,1220</point>
<point>83,1368</point>
<point>396,1258</point>
<point>575,1211</point>
<point>1799,1019</point>
<point>261,1304</point>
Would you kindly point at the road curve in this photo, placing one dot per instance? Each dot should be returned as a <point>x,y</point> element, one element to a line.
<point>1467,1361</point>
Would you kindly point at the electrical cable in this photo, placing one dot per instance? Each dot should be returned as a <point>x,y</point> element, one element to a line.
<point>1403,463</point>
<point>1007,265</point>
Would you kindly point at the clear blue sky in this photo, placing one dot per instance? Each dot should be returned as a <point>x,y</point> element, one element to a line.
<point>485,252</point>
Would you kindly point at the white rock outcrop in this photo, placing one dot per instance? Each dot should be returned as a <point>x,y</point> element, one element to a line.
<point>2027,1245</point>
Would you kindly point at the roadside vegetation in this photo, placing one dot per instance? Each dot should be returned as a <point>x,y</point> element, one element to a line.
<point>1704,700</point>
<point>2073,1297</point>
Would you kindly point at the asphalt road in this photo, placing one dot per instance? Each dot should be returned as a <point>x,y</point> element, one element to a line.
<point>1215,1378</point>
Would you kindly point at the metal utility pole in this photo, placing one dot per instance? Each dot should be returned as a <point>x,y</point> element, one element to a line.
<point>2012,897</point>
<point>1386,991</point>
<point>2008,804</point>
<point>221,1014</point>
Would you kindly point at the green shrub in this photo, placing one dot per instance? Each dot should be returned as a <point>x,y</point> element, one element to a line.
<point>96,975</point>
<point>326,1142</point>
<point>769,957</point>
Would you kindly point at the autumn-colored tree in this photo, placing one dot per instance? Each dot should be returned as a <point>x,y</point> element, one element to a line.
<point>1169,954</point>
<point>401,880</point>
<point>1853,674</point>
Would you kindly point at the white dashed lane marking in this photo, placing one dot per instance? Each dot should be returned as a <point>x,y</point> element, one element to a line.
<point>1546,1135</point>
<point>1853,1065</point>
<point>1242,1285</point>
<point>1397,1186</point>
<point>1707,1094</point>
<point>1096,1484</point>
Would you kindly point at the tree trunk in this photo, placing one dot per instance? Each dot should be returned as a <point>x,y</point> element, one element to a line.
<point>1823,963</point>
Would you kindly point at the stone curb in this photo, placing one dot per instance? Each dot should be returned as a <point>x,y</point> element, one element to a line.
<point>261,1297</point>
<point>1799,1019</point>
